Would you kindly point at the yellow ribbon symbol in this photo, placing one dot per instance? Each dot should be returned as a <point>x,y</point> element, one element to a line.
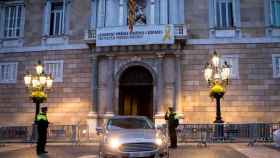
<point>167,33</point>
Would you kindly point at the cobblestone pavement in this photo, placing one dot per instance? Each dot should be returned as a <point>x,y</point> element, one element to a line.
<point>183,151</point>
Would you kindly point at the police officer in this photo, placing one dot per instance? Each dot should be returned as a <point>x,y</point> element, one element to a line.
<point>173,122</point>
<point>42,126</point>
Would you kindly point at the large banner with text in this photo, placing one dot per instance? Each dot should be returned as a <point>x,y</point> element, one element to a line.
<point>141,35</point>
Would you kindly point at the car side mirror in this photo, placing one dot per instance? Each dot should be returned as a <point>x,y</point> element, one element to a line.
<point>99,130</point>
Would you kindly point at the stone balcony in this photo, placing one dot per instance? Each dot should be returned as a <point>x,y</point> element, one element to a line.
<point>180,32</point>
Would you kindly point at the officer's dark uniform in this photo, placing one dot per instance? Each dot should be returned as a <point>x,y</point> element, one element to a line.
<point>172,125</point>
<point>42,126</point>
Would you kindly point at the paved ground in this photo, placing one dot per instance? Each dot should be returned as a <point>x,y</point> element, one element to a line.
<point>183,151</point>
<point>65,151</point>
<point>257,151</point>
<point>212,151</point>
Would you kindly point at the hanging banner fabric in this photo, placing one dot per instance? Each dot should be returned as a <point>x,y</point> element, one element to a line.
<point>141,35</point>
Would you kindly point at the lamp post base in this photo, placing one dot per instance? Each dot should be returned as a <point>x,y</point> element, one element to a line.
<point>218,97</point>
<point>218,120</point>
<point>219,127</point>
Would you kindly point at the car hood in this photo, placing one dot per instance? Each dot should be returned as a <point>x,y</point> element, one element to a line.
<point>135,135</point>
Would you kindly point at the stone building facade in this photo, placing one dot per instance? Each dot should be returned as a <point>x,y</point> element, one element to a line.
<point>95,80</point>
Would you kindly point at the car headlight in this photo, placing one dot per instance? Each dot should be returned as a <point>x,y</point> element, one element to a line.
<point>158,141</point>
<point>114,143</point>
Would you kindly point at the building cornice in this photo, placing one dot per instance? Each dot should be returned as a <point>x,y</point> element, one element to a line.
<point>44,48</point>
<point>265,40</point>
<point>262,40</point>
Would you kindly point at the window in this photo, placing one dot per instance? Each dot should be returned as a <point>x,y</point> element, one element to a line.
<point>141,12</point>
<point>272,17</point>
<point>108,13</point>
<point>57,18</point>
<point>56,22</point>
<point>55,68</point>
<point>8,72</point>
<point>12,20</point>
<point>169,11</point>
<point>112,12</point>
<point>275,13</point>
<point>224,14</point>
<point>233,61</point>
<point>224,18</point>
<point>276,65</point>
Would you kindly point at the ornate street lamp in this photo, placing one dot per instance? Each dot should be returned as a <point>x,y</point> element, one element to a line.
<point>38,85</point>
<point>217,76</point>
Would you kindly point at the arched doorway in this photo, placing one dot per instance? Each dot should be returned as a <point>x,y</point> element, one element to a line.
<point>136,92</point>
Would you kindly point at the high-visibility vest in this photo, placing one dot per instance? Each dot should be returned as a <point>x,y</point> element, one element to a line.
<point>41,116</point>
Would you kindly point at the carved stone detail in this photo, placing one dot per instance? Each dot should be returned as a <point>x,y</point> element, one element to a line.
<point>119,63</point>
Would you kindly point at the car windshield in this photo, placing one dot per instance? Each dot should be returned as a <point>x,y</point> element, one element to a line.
<point>129,123</point>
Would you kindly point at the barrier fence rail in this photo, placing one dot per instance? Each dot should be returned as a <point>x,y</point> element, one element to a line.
<point>15,133</point>
<point>56,133</point>
<point>213,133</point>
<point>201,133</point>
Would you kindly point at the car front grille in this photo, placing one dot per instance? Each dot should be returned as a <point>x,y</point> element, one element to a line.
<point>137,147</point>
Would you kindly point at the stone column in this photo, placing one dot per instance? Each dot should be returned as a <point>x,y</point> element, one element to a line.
<point>101,14</point>
<point>121,17</point>
<point>110,87</point>
<point>160,107</point>
<point>65,3</point>
<point>93,14</point>
<point>152,12</point>
<point>1,21</point>
<point>178,89</point>
<point>94,83</point>
<point>92,116</point>
<point>163,12</point>
<point>67,15</point>
<point>47,12</point>
<point>181,12</point>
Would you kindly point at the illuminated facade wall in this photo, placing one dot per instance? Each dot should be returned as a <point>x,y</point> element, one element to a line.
<point>89,88</point>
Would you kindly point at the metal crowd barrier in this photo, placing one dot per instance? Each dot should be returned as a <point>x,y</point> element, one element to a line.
<point>220,133</point>
<point>201,133</point>
<point>195,133</point>
<point>61,133</point>
<point>70,133</point>
<point>15,133</point>
<point>56,133</point>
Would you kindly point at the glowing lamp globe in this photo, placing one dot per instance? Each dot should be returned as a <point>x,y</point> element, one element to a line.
<point>39,68</point>
<point>27,79</point>
<point>215,59</point>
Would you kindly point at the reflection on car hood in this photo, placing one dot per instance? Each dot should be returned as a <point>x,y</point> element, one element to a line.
<point>139,134</point>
